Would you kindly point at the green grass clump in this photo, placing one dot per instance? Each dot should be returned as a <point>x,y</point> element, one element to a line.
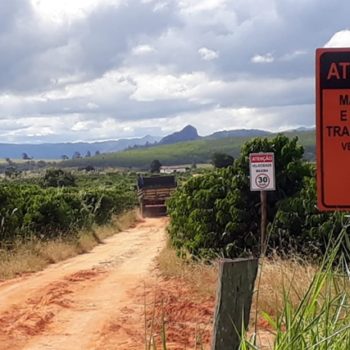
<point>321,320</point>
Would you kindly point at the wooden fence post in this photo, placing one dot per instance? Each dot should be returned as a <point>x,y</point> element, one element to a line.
<point>233,302</point>
<point>263,224</point>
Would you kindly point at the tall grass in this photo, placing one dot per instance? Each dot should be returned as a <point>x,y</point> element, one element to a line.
<point>321,318</point>
<point>301,306</point>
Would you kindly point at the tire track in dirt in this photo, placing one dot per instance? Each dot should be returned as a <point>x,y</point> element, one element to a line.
<point>187,317</point>
<point>35,315</point>
<point>68,305</point>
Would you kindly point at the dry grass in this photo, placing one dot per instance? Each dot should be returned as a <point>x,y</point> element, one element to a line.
<point>202,277</point>
<point>34,256</point>
<point>55,251</point>
<point>22,260</point>
<point>118,224</point>
<point>278,277</point>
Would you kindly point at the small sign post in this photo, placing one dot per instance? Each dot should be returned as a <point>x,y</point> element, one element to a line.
<point>262,178</point>
<point>333,128</point>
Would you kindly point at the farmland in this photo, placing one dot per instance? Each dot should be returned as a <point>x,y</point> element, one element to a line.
<point>60,204</point>
<point>217,214</point>
<point>210,215</point>
<point>192,152</point>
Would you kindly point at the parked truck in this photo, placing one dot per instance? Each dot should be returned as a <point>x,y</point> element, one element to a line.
<point>153,191</point>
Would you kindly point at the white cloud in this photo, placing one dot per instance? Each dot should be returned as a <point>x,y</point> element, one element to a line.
<point>195,6</point>
<point>267,58</point>
<point>92,106</point>
<point>207,54</point>
<point>90,69</point>
<point>339,39</point>
<point>141,50</point>
<point>63,10</point>
<point>219,118</point>
<point>293,55</point>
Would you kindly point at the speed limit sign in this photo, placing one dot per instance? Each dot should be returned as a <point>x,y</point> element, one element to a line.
<point>262,171</point>
<point>262,181</point>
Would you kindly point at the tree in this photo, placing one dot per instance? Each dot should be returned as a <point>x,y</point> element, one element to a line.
<point>87,168</point>
<point>9,161</point>
<point>41,164</point>
<point>88,154</point>
<point>76,155</point>
<point>222,160</point>
<point>64,157</point>
<point>155,166</point>
<point>25,156</point>
<point>12,172</point>
<point>58,178</point>
<point>97,153</point>
<point>218,214</point>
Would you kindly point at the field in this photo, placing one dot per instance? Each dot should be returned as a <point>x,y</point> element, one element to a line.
<point>60,204</point>
<point>193,152</point>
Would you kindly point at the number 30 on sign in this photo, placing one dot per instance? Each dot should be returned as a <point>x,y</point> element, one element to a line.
<point>262,171</point>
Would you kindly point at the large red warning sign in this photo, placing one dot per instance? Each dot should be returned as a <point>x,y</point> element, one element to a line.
<point>333,128</point>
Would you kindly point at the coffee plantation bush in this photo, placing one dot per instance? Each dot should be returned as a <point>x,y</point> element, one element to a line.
<point>29,210</point>
<point>58,178</point>
<point>299,227</point>
<point>217,214</point>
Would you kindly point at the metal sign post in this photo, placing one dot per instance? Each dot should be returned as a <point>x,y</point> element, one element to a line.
<point>262,178</point>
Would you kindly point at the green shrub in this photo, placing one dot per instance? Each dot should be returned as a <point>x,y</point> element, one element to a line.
<point>218,214</point>
<point>58,178</point>
<point>28,209</point>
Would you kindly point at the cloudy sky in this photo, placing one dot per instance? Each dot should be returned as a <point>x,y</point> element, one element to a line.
<point>107,69</point>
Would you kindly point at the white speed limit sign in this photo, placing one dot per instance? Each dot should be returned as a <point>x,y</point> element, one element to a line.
<point>262,181</point>
<point>262,171</point>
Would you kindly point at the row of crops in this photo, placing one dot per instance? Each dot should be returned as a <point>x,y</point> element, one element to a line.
<point>216,214</point>
<point>61,204</point>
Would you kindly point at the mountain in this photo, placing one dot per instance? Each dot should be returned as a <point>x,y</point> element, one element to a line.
<point>302,129</point>
<point>189,152</point>
<point>237,133</point>
<point>188,133</point>
<point>57,150</point>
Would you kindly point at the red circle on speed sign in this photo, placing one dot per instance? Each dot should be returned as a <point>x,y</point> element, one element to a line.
<point>262,180</point>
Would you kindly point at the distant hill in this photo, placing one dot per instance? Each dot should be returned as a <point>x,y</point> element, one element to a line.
<point>188,133</point>
<point>301,129</point>
<point>186,139</point>
<point>237,133</point>
<point>57,150</point>
<point>197,151</point>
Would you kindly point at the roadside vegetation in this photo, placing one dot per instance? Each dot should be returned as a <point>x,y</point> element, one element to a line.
<point>300,305</point>
<point>49,218</point>
<point>216,214</point>
<point>304,285</point>
<point>314,317</point>
<point>34,255</point>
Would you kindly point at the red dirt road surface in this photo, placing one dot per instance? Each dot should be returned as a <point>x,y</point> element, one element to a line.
<point>110,298</point>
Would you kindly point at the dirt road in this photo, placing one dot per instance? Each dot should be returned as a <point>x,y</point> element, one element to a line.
<point>79,303</point>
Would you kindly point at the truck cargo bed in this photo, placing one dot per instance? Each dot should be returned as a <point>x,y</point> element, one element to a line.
<point>153,193</point>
